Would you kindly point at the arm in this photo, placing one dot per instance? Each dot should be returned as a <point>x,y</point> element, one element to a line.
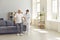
<point>24,18</point>
<point>28,16</point>
<point>14,20</point>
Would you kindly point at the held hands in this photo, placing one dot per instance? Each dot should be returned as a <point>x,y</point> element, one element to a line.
<point>24,18</point>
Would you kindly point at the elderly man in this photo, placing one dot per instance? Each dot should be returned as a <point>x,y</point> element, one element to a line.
<point>18,21</point>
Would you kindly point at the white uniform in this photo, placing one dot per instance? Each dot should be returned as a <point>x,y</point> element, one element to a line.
<point>27,16</point>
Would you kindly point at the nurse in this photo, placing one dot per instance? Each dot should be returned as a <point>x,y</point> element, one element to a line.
<point>27,17</point>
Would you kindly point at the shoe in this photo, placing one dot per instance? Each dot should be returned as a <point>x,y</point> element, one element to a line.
<point>24,32</point>
<point>18,34</point>
<point>21,34</point>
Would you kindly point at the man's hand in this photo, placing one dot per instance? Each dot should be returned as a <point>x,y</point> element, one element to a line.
<point>24,18</point>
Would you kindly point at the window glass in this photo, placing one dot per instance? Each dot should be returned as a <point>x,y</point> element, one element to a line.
<point>38,7</point>
<point>35,8</point>
<point>38,0</point>
<point>59,8</point>
<point>54,6</point>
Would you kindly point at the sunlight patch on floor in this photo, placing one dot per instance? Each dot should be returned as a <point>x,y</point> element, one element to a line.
<point>41,31</point>
<point>58,38</point>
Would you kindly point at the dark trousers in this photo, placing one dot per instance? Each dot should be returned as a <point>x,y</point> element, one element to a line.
<point>19,27</point>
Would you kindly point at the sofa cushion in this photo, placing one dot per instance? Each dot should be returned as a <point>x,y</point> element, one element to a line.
<point>3,29</point>
<point>1,19</point>
<point>2,23</point>
<point>9,23</point>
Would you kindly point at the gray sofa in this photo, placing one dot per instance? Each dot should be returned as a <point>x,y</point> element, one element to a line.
<point>7,27</point>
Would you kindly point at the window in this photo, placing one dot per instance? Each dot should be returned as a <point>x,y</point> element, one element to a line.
<point>38,1</point>
<point>36,9</point>
<point>49,16</point>
<point>59,8</point>
<point>53,9</point>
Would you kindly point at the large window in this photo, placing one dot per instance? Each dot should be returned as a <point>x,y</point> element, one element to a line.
<point>36,9</point>
<point>53,9</point>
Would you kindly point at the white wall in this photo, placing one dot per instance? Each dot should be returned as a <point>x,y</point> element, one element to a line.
<point>13,5</point>
<point>43,4</point>
<point>52,25</point>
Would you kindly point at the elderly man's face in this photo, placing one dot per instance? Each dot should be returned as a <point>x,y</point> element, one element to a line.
<point>19,11</point>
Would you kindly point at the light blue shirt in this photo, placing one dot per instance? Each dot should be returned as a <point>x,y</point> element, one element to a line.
<point>27,16</point>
